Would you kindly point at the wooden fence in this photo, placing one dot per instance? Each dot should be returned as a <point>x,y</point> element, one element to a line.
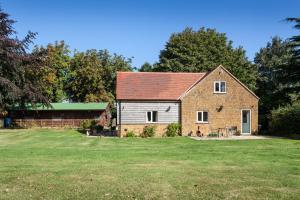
<point>56,123</point>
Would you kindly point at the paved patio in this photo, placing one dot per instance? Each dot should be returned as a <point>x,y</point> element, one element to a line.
<point>242,137</point>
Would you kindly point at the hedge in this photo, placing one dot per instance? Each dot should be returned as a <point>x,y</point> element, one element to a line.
<point>286,120</point>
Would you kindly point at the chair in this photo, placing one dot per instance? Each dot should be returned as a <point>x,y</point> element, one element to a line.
<point>221,132</point>
<point>232,130</point>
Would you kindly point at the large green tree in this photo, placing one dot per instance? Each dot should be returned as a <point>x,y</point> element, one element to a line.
<point>85,82</point>
<point>279,82</point>
<point>203,50</point>
<point>110,64</point>
<point>16,86</point>
<point>269,61</point>
<point>291,71</point>
<point>92,76</point>
<point>285,120</point>
<point>53,75</point>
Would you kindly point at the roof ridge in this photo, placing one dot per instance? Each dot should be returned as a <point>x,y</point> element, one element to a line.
<point>163,72</point>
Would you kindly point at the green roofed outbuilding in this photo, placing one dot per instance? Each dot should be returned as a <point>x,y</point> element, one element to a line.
<point>68,115</point>
<point>64,106</point>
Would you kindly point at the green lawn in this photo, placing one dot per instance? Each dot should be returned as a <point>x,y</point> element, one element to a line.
<point>63,164</point>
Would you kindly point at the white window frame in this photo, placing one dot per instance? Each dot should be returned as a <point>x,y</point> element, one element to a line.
<point>203,122</point>
<point>151,111</point>
<point>219,92</point>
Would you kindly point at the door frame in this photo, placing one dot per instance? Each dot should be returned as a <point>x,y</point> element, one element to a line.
<point>242,121</point>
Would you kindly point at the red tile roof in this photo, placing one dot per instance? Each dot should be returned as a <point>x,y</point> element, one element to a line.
<point>154,85</point>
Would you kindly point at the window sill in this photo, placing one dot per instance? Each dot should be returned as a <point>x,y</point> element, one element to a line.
<point>201,122</point>
<point>220,92</point>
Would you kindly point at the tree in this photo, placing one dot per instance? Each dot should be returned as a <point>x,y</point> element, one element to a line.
<point>55,70</point>
<point>291,71</point>
<point>285,120</point>
<point>269,61</point>
<point>85,82</point>
<point>16,86</point>
<point>92,76</point>
<point>146,67</point>
<point>110,64</point>
<point>203,50</point>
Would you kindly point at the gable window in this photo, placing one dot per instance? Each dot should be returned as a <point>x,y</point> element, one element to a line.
<point>202,116</point>
<point>151,116</point>
<point>219,87</point>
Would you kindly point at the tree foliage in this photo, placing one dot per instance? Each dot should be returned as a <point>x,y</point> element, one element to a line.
<point>53,75</point>
<point>203,50</point>
<point>92,76</point>
<point>291,71</point>
<point>16,85</point>
<point>146,67</point>
<point>279,81</point>
<point>286,120</point>
<point>85,82</point>
<point>269,61</point>
<point>110,64</point>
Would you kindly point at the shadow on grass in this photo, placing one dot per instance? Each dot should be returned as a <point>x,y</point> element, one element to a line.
<point>294,136</point>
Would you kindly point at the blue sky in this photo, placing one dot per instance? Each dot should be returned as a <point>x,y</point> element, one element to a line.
<point>140,28</point>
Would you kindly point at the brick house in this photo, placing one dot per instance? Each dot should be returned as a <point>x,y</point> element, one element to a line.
<point>202,103</point>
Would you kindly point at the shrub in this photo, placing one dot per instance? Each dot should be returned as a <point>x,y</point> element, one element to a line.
<point>148,131</point>
<point>89,124</point>
<point>130,134</point>
<point>213,135</point>
<point>85,124</point>
<point>98,127</point>
<point>173,129</point>
<point>286,120</point>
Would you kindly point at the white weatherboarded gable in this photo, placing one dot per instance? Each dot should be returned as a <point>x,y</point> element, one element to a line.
<point>135,112</point>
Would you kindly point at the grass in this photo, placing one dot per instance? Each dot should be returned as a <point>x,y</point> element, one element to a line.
<point>63,164</point>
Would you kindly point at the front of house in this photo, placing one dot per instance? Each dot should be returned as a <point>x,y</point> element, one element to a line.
<point>202,103</point>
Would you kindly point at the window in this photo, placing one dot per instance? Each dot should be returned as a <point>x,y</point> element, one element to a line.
<point>245,117</point>
<point>219,87</point>
<point>202,116</point>
<point>151,116</point>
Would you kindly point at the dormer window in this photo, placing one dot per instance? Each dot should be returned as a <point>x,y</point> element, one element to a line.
<point>219,87</point>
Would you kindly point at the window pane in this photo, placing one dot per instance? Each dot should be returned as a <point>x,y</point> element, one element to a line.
<point>148,116</point>
<point>245,120</point>
<point>217,87</point>
<point>154,116</point>
<point>199,116</point>
<point>205,116</point>
<point>223,86</point>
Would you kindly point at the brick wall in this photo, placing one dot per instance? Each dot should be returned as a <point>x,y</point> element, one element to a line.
<point>138,129</point>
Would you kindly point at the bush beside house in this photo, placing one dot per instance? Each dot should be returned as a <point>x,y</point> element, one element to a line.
<point>148,131</point>
<point>286,120</point>
<point>173,130</point>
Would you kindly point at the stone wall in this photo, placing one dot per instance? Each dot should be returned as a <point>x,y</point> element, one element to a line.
<point>224,110</point>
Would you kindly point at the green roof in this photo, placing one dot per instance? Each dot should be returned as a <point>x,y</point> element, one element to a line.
<point>66,106</point>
